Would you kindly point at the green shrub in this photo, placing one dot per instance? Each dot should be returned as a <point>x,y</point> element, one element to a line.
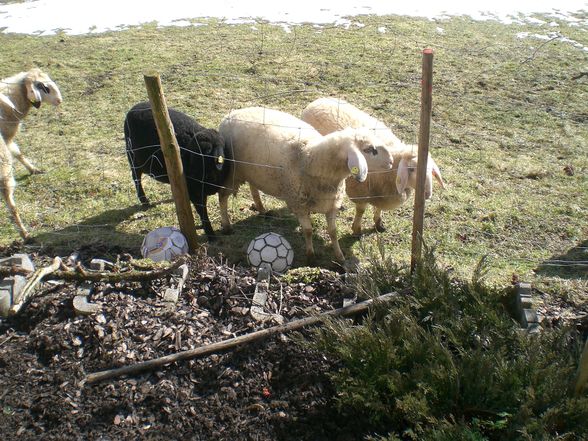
<point>447,362</point>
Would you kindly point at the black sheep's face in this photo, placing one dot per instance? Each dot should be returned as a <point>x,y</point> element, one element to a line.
<point>212,145</point>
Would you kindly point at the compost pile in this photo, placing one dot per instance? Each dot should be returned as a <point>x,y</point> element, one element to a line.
<point>268,390</point>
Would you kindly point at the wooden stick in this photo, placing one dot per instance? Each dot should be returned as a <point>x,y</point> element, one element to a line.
<point>236,341</point>
<point>173,162</point>
<point>28,289</point>
<point>424,134</point>
<point>80,274</point>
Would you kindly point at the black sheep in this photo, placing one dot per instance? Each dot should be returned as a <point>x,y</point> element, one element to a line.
<point>202,152</point>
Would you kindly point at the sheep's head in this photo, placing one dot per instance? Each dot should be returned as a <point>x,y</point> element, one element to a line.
<point>362,146</point>
<point>378,156</point>
<point>212,145</point>
<point>41,89</point>
<point>407,174</point>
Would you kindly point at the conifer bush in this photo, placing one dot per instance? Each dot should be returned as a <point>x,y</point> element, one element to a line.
<point>448,362</point>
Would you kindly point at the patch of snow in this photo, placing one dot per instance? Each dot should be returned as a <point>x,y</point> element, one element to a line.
<point>555,36</point>
<point>45,17</point>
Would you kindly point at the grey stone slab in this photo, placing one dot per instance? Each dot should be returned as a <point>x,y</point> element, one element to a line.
<point>11,287</point>
<point>529,317</point>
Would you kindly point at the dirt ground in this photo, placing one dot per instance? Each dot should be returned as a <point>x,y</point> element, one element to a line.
<point>270,390</point>
<point>274,389</point>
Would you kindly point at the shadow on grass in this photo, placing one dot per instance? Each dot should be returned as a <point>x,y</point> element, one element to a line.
<point>571,265</point>
<point>96,236</point>
<point>233,246</point>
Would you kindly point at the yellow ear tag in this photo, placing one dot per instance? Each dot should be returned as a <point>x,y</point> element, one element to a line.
<point>354,170</point>
<point>220,160</point>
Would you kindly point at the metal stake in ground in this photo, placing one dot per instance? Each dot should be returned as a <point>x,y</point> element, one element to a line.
<point>171,155</point>
<point>425,126</point>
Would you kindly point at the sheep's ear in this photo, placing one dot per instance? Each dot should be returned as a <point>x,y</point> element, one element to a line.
<point>357,165</point>
<point>33,93</point>
<point>42,87</point>
<point>436,172</point>
<point>402,176</point>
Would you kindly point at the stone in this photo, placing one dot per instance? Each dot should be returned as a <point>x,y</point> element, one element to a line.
<point>11,287</point>
<point>100,264</point>
<point>264,272</point>
<point>83,307</point>
<point>171,295</point>
<point>529,317</point>
<point>258,309</point>
<point>80,302</point>
<point>524,305</point>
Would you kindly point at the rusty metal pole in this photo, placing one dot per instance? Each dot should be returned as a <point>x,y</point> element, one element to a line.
<point>424,133</point>
<point>173,162</point>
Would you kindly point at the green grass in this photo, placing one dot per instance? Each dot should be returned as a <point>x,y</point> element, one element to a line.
<point>509,115</point>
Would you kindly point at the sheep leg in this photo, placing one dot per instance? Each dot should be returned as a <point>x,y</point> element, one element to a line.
<point>137,173</point>
<point>359,210</point>
<point>7,186</point>
<point>223,202</point>
<point>378,224</point>
<point>306,225</point>
<point>202,210</point>
<point>139,187</point>
<point>15,150</point>
<point>332,230</point>
<point>256,199</point>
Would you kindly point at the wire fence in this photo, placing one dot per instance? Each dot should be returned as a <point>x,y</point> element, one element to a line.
<point>328,77</point>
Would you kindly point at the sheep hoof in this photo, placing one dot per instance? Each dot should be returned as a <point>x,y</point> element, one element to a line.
<point>380,227</point>
<point>357,233</point>
<point>36,171</point>
<point>227,230</point>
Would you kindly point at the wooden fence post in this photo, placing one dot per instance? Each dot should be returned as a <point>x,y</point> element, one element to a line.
<point>173,162</point>
<point>425,126</point>
<point>582,375</point>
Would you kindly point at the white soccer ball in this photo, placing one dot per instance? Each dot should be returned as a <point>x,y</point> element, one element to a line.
<point>164,243</point>
<point>271,248</point>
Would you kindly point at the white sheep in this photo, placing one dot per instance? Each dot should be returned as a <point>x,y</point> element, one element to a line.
<point>17,94</point>
<point>325,113</point>
<point>384,191</point>
<point>285,157</point>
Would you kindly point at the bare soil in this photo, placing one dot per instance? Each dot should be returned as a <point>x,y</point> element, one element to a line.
<point>275,389</point>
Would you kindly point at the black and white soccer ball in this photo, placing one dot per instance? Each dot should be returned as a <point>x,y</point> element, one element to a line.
<point>270,248</point>
<point>164,243</point>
